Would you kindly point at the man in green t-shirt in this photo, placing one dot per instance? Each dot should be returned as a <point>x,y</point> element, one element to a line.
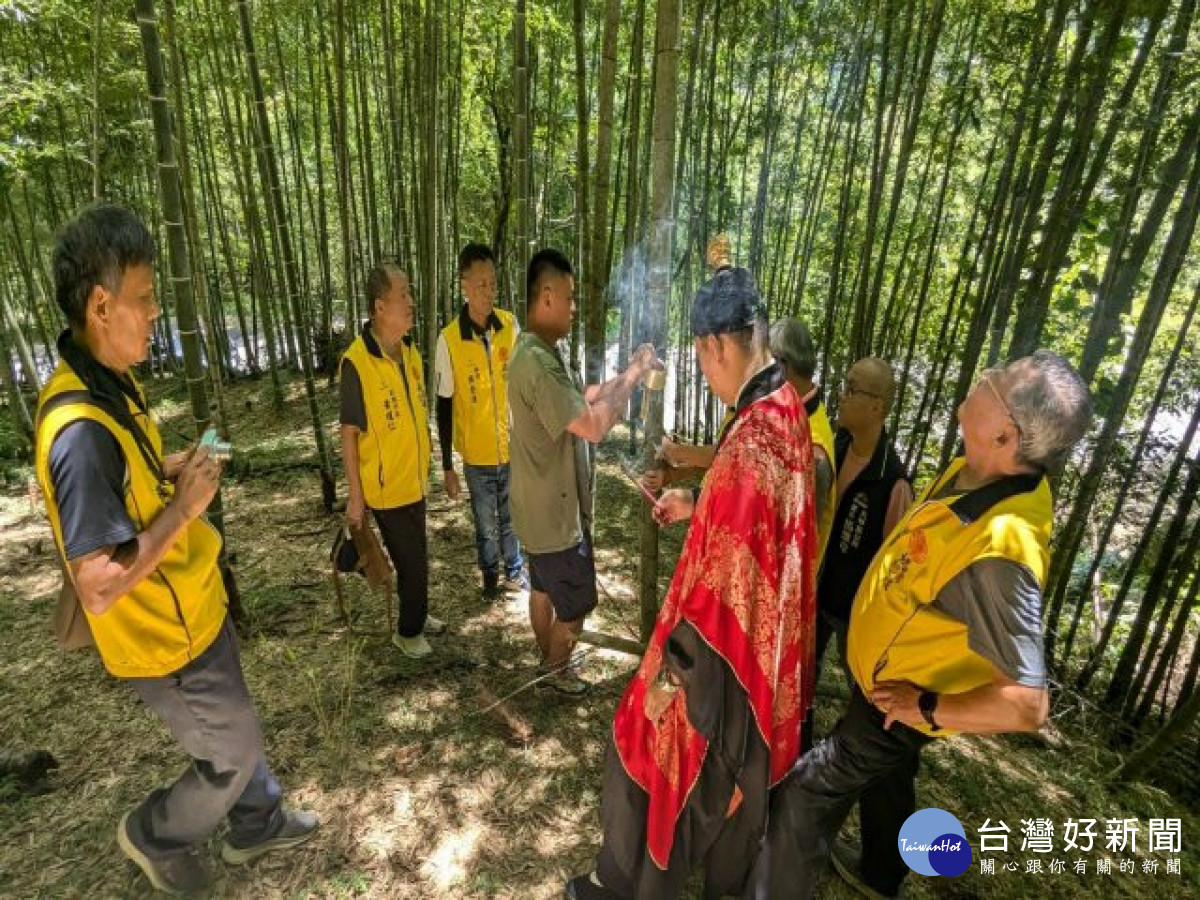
<point>552,417</point>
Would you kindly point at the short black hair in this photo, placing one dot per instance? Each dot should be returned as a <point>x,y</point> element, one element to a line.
<point>473,253</point>
<point>379,281</point>
<point>95,248</point>
<point>543,262</point>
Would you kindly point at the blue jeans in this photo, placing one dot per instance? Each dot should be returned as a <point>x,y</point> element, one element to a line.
<point>494,533</point>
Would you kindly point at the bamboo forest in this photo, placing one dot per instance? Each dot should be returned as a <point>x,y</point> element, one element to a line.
<point>943,185</point>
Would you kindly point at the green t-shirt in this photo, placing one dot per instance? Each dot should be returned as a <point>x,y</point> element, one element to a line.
<point>550,498</point>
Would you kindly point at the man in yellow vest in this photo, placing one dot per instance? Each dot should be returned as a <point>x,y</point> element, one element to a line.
<point>945,632</point>
<point>792,345</point>
<point>473,353</point>
<point>385,446</point>
<point>129,524</point>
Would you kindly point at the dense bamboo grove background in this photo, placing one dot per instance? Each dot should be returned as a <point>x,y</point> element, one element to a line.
<point>944,183</point>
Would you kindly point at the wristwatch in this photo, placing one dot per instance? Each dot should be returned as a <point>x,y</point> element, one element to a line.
<point>927,703</point>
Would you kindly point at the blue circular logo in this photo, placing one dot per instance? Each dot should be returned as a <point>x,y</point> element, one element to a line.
<point>950,855</point>
<point>933,842</point>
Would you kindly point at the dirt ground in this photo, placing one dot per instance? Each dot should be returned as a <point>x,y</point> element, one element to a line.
<point>421,794</point>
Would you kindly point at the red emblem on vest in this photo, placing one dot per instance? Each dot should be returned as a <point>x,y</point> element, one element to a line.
<point>918,547</point>
<point>503,354</point>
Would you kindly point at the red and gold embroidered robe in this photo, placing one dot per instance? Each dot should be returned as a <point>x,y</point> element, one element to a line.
<point>745,582</point>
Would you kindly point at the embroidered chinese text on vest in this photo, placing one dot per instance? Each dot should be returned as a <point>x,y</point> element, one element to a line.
<point>481,389</point>
<point>393,453</point>
<point>173,615</point>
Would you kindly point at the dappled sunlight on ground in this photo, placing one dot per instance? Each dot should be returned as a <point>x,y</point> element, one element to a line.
<point>422,793</point>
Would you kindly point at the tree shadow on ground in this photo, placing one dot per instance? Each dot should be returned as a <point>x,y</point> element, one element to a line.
<point>422,794</point>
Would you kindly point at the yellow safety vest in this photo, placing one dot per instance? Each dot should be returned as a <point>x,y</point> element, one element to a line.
<point>896,634</point>
<point>173,614</point>
<point>822,436</point>
<point>393,453</point>
<point>481,387</point>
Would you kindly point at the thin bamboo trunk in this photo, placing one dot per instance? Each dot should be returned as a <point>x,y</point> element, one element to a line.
<point>660,268</point>
<point>275,192</point>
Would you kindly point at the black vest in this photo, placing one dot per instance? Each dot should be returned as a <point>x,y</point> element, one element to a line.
<point>857,531</point>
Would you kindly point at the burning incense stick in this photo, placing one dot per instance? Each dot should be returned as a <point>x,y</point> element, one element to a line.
<point>650,498</point>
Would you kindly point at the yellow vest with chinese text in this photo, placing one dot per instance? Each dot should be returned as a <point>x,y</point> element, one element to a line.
<point>393,452</point>
<point>173,614</point>
<point>481,387</point>
<point>896,633</point>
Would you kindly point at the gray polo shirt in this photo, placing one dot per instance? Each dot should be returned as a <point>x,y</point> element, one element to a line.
<point>551,501</point>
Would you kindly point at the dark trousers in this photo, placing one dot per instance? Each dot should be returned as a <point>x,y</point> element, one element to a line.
<point>209,711</point>
<point>704,837</point>
<point>828,626</point>
<point>858,763</point>
<point>403,531</point>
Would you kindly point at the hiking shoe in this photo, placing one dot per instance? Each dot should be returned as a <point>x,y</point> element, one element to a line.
<point>412,647</point>
<point>298,826</point>
<point>566,682</point>
<point>182,873</point>
<point>516,584</point>
<point>846,863</point>
<point>588,887</point>
<point>434,626</point>
<point>491,585</point>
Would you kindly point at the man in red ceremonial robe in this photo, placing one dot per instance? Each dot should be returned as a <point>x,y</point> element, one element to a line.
<point>711,720</point>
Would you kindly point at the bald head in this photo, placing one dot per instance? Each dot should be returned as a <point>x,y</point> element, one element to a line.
<point>873,375</point>
<point>867,396</point>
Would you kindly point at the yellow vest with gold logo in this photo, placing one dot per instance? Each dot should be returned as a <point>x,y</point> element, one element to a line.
<point>393,453</point>
<point>895,633</point>
<point>481,389</point>
<point>172,615</point>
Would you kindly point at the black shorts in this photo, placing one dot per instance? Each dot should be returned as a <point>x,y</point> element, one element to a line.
<point>569,577</point>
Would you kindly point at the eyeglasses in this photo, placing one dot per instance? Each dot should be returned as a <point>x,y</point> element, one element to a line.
<point>986,378</point>
<point>849,390</point>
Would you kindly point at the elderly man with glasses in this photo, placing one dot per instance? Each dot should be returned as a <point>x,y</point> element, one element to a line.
<point>945,631</point>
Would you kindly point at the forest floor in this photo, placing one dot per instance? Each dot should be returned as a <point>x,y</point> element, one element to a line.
<point>420,794</point>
